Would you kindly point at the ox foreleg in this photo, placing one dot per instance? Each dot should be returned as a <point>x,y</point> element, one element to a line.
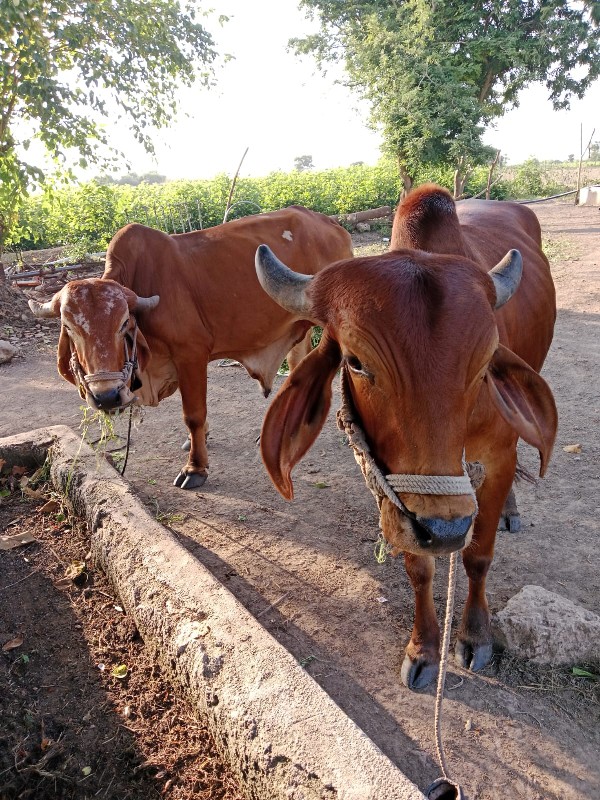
<point>474,645</point>
<point>421,661</point>
<point>192,386</point>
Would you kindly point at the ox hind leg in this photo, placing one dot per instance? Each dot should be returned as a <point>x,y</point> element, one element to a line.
<point>474,645</point>
<point>421,661</point>
<point>192,386</point>
<point>510,519</point>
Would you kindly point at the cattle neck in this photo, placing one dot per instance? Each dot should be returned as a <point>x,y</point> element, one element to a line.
<point>381,485</point>
<point>124,376</point>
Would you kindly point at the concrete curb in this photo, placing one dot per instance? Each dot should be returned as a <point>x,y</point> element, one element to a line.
<point>283,736</point>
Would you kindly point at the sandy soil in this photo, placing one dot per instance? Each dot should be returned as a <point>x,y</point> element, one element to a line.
<point>307,570</point>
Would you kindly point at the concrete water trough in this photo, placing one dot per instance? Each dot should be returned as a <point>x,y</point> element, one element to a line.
<point>282,735</point>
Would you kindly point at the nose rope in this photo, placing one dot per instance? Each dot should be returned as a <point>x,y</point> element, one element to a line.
<point>382,486</point>
<point>131,364</point>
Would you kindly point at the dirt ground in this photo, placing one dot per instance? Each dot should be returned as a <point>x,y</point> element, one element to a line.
<point>85,711</point>
<point>307,570</point>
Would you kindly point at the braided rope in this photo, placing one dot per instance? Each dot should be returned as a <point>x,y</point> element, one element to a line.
<point>381,486</point>
<point>431,484</point>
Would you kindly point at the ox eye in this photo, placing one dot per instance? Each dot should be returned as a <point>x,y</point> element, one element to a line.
<point>356,366</point>
<point>124,325</point>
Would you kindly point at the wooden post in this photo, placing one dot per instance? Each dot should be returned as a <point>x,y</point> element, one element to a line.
<point>581,155</point>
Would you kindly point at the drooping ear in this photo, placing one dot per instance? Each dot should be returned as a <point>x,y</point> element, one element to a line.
<point>63,357</point>
<point>297,414</point>
<point>524,400</point>
<point>143,356</point>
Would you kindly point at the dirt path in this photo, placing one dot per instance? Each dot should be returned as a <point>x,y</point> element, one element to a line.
<point>514,727</point>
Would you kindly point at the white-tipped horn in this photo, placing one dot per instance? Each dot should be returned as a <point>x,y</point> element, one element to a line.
<point>286,287</point>
<point>147,303</point>
<point>49,309</point>
<point>507,276</point>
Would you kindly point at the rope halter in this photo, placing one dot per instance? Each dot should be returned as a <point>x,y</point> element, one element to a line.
<point>124,376</point>
<point>382,486</point>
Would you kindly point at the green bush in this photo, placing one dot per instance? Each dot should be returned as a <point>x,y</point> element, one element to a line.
<point>92,213</point>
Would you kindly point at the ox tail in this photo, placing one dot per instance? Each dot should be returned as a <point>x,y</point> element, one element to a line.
<point>426,219</point>
<point>522,474</point>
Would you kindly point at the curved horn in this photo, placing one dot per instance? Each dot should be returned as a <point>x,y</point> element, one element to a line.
<point>49,309</point>
<point>507,276</point>
<point>146,303</point>
<point>286,287</point>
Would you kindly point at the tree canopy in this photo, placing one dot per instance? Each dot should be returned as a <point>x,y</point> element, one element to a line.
<point>67,64</point>
<point>436,72</point>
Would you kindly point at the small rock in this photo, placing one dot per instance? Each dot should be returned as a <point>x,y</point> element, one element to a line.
<point>549,629</point>
<point>7,351</point>
<point>363,227</point>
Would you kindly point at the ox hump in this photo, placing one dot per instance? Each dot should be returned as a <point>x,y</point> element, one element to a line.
<point>426,219</point>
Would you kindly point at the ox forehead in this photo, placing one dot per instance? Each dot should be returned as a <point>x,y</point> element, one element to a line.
<point>440,342</point>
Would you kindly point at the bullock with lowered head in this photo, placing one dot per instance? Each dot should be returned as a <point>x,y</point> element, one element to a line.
<point>167,305</point>
<point>440,342</point>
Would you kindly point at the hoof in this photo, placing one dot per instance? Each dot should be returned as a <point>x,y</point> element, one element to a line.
<point>418,674</point>
<point>193,480</point>
<point>510,522</point>
<point>444,789</point>
<point>187,445</point>
<point>514,523</point>
<point>473,659</point>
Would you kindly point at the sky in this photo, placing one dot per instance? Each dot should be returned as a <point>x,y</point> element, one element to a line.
<point>280,107</point>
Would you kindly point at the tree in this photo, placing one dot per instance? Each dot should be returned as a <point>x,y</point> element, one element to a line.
<point>302,163</point>
<point>437,73</point>
<point>67,64</point>
<point>595,151</point>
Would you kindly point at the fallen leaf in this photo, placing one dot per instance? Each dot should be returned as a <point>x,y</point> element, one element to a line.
<point>322,485</point>
<point>16,540</point>
<point>119,671</point>
<point>17,470</point>
<point>74,570</point>
<point>50,507</point>
<point>13,644</point>
<point>86,771</point>
<point>584,673</point>
<point>572,448</point>
<point>37,494</point>
<point>2,463</point>
<point>62,583</point>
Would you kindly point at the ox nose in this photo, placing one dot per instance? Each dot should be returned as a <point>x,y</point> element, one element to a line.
<point>107,401</point>
<point>442,535</point>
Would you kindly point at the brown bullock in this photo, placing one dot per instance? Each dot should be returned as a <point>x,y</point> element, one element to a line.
<point>440,368</point>
<point>167,305</point>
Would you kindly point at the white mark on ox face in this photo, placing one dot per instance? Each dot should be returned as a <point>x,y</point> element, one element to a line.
<point>287,235</point>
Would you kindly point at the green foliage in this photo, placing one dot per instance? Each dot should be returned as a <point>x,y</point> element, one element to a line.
<point>66,64</point>
<point>87,216</point>
<point>533,179</point>
<point>92,214</point>
<point>436,73</point>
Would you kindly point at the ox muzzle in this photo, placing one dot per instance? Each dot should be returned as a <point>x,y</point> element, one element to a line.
<point>110,391</point>
<point>433,535</point>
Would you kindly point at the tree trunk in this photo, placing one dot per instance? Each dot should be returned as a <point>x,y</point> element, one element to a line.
<point>490,172</point>
<point>407,180</point>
